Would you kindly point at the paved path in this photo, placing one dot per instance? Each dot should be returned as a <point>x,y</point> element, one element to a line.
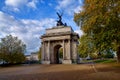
<point>60,72</point>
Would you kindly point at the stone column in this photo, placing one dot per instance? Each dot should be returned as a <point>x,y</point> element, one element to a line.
<point>43,55</point>
<point>48,54</point>
<point>74,55</point>
<point>69,49</point>
<point>67,59</point>
<point>47,60</point>
<point>64,49</point>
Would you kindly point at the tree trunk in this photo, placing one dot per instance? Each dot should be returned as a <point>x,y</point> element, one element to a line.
<point>118,54</point>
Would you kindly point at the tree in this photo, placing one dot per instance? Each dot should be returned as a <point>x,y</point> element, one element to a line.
<point>102,19</point>
<point>61,53</point>
<point>108,54</point>
<point>39,53</point>
<point>12,50</point>
<point>84,48</point>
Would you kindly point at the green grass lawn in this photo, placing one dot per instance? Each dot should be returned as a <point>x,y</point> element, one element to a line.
<point>100,61</point>
<point>105,61</point>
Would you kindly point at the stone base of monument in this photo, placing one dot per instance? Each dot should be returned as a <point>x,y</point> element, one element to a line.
<point>45,62</point>
<point>74,61</point>
<point>66,62</point>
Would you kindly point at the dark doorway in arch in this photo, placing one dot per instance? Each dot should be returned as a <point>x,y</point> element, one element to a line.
<point>58,54</point>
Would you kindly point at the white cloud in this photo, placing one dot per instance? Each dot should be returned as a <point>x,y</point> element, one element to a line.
<point>16,9</point>
<point>80,2</point>
<point>16,5</point>
<point>78,9</point>
<point>50,4</point>
<point>80,32</point>
<point>69,6</point>
<point>32,4</point>
<point>63,3</point>
<point>27,30</point>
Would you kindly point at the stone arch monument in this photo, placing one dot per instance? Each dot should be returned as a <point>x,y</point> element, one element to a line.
<point>54,39</point>
<point>57,37</point>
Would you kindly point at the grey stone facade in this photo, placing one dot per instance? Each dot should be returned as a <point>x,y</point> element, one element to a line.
<point>55,38</point>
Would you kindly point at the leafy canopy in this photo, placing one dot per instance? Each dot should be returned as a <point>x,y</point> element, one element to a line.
<point>12,49</point>
<point>100,19</point>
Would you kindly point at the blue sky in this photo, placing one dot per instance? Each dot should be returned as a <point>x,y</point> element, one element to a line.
<point>28,19</point>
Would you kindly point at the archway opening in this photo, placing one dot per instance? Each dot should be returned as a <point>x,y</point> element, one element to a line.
<point>58,54</point>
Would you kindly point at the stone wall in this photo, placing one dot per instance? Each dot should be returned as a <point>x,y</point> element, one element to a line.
<point>59,29</point>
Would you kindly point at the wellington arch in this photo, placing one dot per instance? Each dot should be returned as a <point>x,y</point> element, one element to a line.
<point>59,37</point>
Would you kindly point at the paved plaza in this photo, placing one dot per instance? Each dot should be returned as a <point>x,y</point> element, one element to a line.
<point>61,72</point>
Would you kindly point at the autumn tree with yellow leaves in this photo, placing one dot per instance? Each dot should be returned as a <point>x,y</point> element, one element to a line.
<point>100,20</point>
